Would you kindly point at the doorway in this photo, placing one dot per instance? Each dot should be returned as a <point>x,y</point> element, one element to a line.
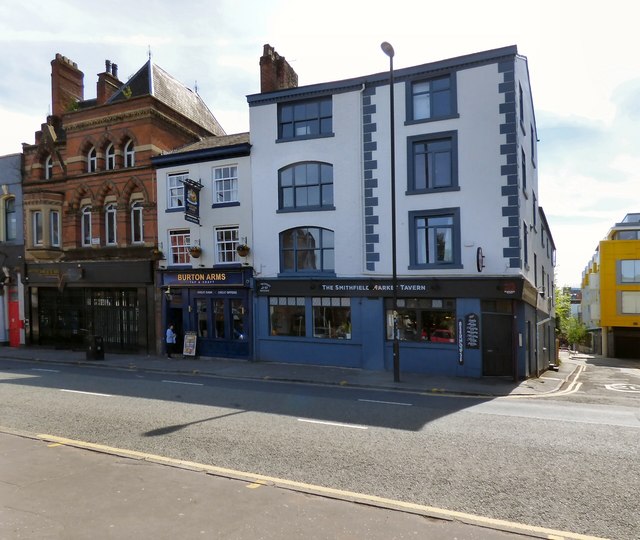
<point>497,344</point>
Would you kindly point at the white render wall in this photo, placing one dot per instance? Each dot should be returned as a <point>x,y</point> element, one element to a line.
<point>209,218</point>
<point>479,198</point>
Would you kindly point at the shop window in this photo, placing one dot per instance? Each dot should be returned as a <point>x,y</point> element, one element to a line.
<point>307,250</point>
<point>179,242</point>
<point>424,320</point>
<point>331,317</point>
<point>287,316</point>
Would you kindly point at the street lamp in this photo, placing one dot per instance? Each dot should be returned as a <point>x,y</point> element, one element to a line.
<point>388,50</point>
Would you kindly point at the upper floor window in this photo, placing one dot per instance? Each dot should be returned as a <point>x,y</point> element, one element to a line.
<point>307,249</point>
<point>179,242</point>
<point>110,158</point>
<point>525,244</point>
<point>85,224</point>
<point>48,168</point>
<point>175,190</point>
<point>524,172</point>
<point>521,104</point>
<point>305,119</point>
<point>431,99</point>
<point>37,228</point>
<point>630,271</point>
<point>226,244</point>
<point>10,220</point>
<point>110,224</point>
<point>534,216</point>
<point>630,302</point>
<point>54,228</point>
<point>629,234</point>
<point>137,223</point>
<point>435,237</point>
<point>129,154</point>
<point>92,160</point>
<point>225,184</point>
<point>306,185</point>
<point>434,162</point>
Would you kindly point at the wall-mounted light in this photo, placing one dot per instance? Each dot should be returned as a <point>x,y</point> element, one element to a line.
<point>167,293</point>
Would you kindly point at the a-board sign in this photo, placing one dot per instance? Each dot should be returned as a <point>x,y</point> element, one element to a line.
<point>189,346</point>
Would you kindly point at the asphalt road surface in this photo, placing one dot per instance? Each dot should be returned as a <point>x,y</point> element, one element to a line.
<point>546,462</point>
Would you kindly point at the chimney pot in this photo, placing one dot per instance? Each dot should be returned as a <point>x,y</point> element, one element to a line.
<point>107,66</point>
<point>114,70</point>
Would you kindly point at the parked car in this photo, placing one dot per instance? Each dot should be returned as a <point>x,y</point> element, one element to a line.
<point>442,335</point>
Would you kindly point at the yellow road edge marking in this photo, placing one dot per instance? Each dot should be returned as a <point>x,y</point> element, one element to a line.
<point>322,490</point>
<point>255,485</point>
<point>53,445</point>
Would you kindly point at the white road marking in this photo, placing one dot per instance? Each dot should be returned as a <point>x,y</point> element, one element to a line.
<point>386,402</point>
<point>86,393</point>
<point>181,382</point>
<point>354,426</point>
<point>47,370</point>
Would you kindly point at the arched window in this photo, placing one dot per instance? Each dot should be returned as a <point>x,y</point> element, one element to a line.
<point>307,249</point>
<point>48,168</point>
<point>110,158</point>
<point>110,224</point>
<point>86,226</point>
<point>306,186</point>
<point>129,154</point>
<point>10,221</point>
<point>137,223</point>
<point>92,160</point>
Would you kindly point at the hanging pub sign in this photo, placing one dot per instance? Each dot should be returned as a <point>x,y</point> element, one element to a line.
<point>192,200</point>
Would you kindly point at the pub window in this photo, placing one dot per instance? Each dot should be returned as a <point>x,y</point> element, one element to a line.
<point>424,320</point>
<point>287,316</point>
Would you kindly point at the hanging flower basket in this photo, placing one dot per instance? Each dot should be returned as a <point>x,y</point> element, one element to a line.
<point>243,250</point>
<point>195,251</point>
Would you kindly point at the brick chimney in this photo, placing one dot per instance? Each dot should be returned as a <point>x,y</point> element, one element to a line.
<point>275,71</point>
<point>108,82</point>
<point>67,85</point>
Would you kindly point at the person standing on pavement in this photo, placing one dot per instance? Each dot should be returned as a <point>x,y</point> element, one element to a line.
<point>171,340</point>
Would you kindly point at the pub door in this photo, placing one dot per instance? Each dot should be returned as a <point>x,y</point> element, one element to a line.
<point>497,344</point>
<point>222,325</point>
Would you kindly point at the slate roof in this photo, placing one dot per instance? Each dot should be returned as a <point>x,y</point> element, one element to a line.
<point>153,80</point>
<point>213,142</point>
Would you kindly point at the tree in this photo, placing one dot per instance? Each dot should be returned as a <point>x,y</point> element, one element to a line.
<point>570,330</point>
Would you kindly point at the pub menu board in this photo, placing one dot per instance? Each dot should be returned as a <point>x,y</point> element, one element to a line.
<point>472,331</point>
<point>189,346</point>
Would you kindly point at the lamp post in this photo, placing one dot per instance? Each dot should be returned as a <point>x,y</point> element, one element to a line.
<point>388,50</point>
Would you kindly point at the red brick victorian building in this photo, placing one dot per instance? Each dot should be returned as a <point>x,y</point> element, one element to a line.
<point>90,220</point>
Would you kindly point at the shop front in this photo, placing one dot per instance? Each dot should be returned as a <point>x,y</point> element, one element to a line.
<point>214,304</point>
<point>69,302</point>
<point>456,327</point>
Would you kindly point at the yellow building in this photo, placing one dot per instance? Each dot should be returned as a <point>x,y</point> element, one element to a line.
<point>611,291</point>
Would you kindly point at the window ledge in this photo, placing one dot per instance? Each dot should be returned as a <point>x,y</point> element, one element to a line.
<point>306,209</point>
<point>305,137</point>
<point>225,204</point>
<point>432,119</point>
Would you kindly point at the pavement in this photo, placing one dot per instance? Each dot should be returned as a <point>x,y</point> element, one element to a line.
<point>551,381</point>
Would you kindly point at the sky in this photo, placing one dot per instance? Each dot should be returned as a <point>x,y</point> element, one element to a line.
<point>583,62</point>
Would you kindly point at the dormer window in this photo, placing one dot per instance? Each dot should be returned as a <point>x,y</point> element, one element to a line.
<point>92,160</point>
<point>129,154</point>
<point>48,168</point>
<point>110,158</point>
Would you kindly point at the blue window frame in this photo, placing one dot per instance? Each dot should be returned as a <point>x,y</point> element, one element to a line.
<point>307,250</point>
<point>431,99</point>
<point>434,236</point>
<point>305,119</point>
<point>306,186</point>
<point>433,162</point>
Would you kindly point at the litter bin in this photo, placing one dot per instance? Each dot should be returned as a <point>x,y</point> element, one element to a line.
<point>95,348</point>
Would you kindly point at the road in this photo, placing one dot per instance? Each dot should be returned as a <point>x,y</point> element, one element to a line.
<point>553,463</point>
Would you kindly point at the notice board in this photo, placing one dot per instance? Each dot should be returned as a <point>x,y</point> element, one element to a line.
<point>190,342</point>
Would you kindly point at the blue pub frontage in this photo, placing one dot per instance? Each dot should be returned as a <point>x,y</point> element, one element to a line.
<point>215,304</point>
<point>455,327</point>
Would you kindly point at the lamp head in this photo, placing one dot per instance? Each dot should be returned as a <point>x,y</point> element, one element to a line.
<point>387,49</point>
